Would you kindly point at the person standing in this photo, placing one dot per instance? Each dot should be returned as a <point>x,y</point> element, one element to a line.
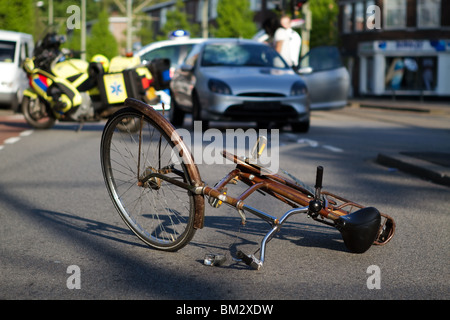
<point>287,42</point>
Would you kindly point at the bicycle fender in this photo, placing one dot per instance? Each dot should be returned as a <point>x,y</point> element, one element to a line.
<point>199,201</point>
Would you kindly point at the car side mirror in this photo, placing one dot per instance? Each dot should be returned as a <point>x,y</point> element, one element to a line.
<point>305,70</point>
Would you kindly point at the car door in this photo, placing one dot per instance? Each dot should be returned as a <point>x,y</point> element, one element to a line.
<point>326,77</point>
<point>183,80</point>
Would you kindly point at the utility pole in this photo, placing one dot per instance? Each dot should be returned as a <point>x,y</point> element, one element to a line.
<point>129,24</point>
<point>205,17</point>
<point>306,30</point>
<point>83,29</point>
<point>50,12</point>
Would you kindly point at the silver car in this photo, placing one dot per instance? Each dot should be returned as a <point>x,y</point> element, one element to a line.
<point>236,79</point>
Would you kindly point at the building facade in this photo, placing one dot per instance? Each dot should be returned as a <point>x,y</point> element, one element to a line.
<point>396,47</point>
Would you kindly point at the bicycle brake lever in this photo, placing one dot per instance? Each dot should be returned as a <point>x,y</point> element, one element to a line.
<point>319,177</point>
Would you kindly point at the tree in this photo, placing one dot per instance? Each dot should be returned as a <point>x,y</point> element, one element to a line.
<point>234,19</point>
<point>101,41</point>
<point>324,28</point>
<point>17,15</point>
<point>177,19</point>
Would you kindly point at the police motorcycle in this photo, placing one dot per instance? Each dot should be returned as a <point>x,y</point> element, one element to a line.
<point>63,88</point>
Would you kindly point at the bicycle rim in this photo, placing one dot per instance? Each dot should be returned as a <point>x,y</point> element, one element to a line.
<point>161,214</point>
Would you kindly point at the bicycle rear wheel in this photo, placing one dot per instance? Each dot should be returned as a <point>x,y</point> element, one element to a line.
<point>160,213</point>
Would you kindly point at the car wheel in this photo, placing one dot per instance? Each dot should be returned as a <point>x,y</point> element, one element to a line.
<point>197,112</point>
<point>176,115</point>
<point>300,126</point>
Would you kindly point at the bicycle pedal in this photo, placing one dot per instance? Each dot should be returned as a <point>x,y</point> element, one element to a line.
<point>213,259</point>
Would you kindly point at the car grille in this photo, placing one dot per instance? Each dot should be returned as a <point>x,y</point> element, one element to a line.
<point>261,111</point>
<point>260,94</point>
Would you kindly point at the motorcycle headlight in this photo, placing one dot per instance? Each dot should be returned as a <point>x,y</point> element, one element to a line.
<point>28,65</point>
<point>299,88</point>
<point>219,86</point>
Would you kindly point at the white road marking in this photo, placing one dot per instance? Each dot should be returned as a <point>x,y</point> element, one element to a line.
<point>11,140</point>
<point>26,133</point>
<point>331,148</point>
<point>312,143</point>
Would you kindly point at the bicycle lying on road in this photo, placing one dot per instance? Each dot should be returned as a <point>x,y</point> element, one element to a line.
<point>156,187</point>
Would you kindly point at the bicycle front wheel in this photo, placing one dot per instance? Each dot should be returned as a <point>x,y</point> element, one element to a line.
<point>160,213</point>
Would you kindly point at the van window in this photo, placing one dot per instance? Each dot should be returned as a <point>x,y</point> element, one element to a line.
<point>7,50</point>
<point>24,52</point>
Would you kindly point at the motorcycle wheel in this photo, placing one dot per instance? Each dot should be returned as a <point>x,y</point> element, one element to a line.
<point>35,113</point>
<point>129,125</point>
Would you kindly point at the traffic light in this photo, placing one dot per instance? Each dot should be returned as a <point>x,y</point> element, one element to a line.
<point>299,3</point>
<point>296,6</point>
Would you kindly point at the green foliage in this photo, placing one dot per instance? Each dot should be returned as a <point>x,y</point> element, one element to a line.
<point>101,41</point>
<point>178,19</point>
<point>145,33</point>
<point>17,15</point>
<point>324,22</point>
<point>73,41</point>
<point>234,19</point>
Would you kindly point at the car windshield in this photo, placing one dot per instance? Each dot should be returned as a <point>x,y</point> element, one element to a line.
<point>241,54</point>
<point>7,49</point>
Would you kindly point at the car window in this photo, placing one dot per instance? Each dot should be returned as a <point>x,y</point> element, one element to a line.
<point>322,58</point>
<point>174,53</point>
<point>239,54</point>
<point>7,50</point>
<point>192,56</point>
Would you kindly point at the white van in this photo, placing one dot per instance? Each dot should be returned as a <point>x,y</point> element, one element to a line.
<point>14,48</point>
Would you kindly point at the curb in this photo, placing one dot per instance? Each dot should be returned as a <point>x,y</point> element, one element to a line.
<point>407,106</point>
<point>418,167</point>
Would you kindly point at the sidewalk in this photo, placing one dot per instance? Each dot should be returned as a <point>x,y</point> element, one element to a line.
<point>433,166</point>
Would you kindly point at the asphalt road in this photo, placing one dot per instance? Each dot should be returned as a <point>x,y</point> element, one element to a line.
<point>62,239</point>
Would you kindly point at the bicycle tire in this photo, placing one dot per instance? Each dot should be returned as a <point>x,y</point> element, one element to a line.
<point>159,213</point>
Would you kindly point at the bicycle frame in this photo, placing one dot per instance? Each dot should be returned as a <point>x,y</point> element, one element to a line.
<point>279,187</point>
<point>322,206</point>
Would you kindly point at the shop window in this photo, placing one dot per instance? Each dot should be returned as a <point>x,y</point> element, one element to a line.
<point>395,14</point>
<point>411,73</point>
<point>162,17</point>
<point>359,16</point>
<point>428,13</point>
<point>347,18</point>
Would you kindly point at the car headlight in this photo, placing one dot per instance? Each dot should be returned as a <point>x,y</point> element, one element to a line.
<point>299,88</point>
<point>218,86</point>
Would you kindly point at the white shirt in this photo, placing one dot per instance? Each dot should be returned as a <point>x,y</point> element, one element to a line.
<point>290,49</point>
